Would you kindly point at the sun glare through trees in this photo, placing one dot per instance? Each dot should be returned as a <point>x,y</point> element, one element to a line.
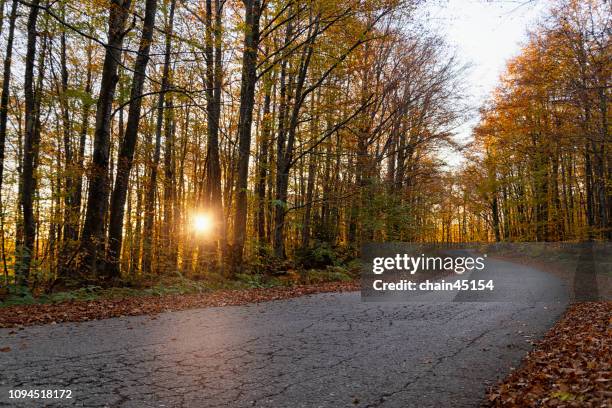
<point>163,155</point>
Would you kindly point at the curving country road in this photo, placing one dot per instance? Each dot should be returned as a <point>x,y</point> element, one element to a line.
<point>327,350</point>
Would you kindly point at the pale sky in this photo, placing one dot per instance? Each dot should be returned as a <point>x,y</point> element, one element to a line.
<point>485,33</point>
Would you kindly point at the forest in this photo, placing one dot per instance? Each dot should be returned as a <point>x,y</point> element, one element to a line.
<point>143,138</point>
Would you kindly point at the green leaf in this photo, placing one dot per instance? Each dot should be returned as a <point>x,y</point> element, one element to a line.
<point>85,97</point>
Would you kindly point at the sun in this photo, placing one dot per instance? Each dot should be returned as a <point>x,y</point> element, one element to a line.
<point>202,223</point>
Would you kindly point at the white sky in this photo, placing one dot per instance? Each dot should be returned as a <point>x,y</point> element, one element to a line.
<point>485,33</point>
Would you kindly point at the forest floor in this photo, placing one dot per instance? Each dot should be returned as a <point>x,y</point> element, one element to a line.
<point>571,366</point>
<point>104,308</point>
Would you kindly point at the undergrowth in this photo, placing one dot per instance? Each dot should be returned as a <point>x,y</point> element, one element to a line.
<point>178,285</point>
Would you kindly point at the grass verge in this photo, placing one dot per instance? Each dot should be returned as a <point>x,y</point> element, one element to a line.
<point>92,302</point>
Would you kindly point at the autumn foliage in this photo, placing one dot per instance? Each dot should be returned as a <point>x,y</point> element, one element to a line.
<point>541,166</point>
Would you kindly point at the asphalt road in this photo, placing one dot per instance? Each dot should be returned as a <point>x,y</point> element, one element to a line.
<point>327,350</point>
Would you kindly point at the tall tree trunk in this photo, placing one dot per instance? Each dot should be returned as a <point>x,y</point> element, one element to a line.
<point>606,155</point>
<point>30,150</point>
<point>285,156</point>
<point>70,212</point>
<point>128,144</point>
<point>136,241</point>
<point>262,165</point>
<point>253,10</point>
<point>495,219</point>
<point>324,232</point>
<point>279,208</point>
<point>6,89</point>
<point>588,175</point>
<point>2,2</point>
<point>312,169</point>
<point>78,190</point>
<point>556,223</point>
<point>92,237</point>
<point>169,241</point>
<point>152,187</point>
<point>4,99</point>
<point>149,207</point>
<point>212,189</point>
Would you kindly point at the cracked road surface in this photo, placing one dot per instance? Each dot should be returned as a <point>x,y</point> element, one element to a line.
<point>326,350</point>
